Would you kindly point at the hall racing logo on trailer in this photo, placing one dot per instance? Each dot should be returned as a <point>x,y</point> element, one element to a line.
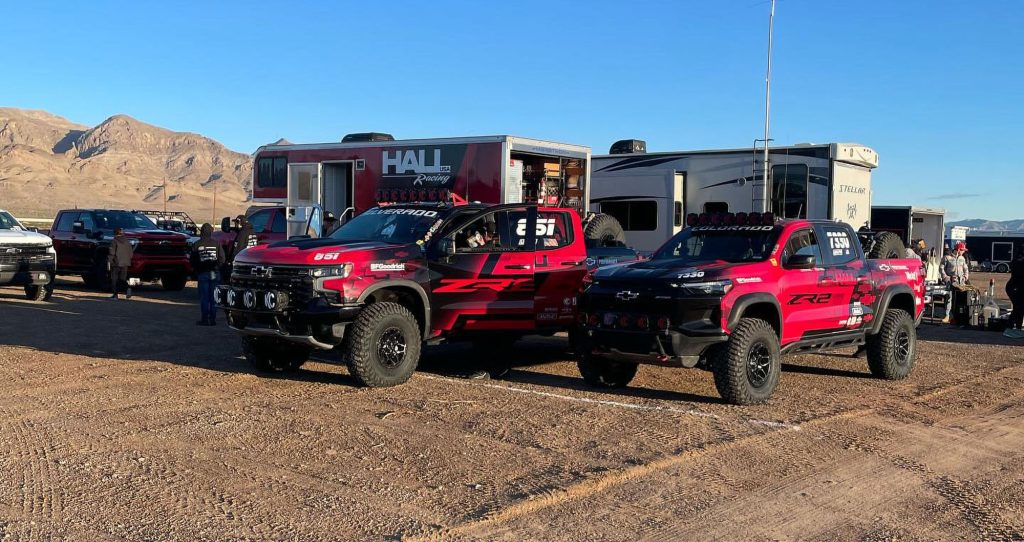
<point>422,166</point>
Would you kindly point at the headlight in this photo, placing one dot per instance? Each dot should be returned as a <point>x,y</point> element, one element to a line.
<point>711,287</point>
<point>133,242</point>
<point>51,251</point>
<point>337,271</point>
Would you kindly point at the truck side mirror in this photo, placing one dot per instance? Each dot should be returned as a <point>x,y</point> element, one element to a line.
<point>98,235</point>
<point>801,261</point>
<point>225,224</point>
<point>78,227</point>
<point>446,246</point>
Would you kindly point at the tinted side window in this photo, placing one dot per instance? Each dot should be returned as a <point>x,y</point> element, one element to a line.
<point>66,221</point>
<point>802,243</point>
<point>272,172</point>
<point>260,219</point>
<point>279,225</point>
<point>633,215</point>
<point>840,248</point>
<point>553,230</point>
<point>493,232</point>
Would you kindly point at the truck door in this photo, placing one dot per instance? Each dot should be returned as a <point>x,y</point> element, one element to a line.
<point>805,306</point>
<point>845,280</point>
<point>559,266</point>
<point>486,281</point>
<point>81,244</point>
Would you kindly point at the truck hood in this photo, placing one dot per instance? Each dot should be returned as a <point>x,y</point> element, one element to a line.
<point>666,270</point>
<point>23,238</point>
<point>326,252</point>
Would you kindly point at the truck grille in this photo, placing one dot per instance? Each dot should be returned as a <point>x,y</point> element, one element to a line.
<point>23,255</point>
<point>157,249</point>
<point>293,280</point>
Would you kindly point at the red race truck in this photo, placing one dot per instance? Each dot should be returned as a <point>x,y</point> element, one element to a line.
<point>82,238</point>
<point>398,276</point>
<point>733,293</point>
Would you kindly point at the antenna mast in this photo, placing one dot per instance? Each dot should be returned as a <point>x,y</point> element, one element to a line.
<point>767,105</point>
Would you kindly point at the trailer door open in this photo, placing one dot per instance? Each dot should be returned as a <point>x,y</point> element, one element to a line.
<point>851,194</point>
<point>303,194</point>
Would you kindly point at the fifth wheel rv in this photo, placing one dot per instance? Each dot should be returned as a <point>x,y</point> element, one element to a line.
<point>651,193</point>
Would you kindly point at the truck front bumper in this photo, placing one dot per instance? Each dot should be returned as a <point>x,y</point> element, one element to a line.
<point>27,274</point>
<point>669,348</point>
<point>271,313</point>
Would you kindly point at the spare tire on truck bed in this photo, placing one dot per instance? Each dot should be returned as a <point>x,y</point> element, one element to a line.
<point>604,231</point>
<point>887,246</point>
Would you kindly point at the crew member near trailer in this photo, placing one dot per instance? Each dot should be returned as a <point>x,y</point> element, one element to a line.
<point>207,259</point>
<point>1015,290</point>
<point>246,237</point>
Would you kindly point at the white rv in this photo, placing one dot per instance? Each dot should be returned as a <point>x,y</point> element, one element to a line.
<point>651,193</point>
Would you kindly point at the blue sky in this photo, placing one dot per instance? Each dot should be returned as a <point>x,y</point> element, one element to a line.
<point>937,88</point>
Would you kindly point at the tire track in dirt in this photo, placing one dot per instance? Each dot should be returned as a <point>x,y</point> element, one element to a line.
<point>41,503</point>
<point>588,487</point>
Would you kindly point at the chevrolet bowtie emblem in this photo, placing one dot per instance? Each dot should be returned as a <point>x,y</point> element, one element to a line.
<point>627,295</point>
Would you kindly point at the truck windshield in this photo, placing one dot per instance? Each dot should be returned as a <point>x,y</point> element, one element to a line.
<point>108,220</point>
<point>708,244</point>
<point>402,226</point>
<point>8,222</point>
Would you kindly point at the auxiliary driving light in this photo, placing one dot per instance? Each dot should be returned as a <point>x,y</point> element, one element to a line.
<point>593,320</point>
<point>643,322</point>
<point>249,299</point>
<point>662,323</point>
<point>217,296</point>
<point>232,298</point>
<point>270,300</point>
<point>624,321</point>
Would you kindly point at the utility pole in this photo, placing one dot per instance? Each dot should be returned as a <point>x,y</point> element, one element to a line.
<point>767,105</point>
<point>213,219</point>
<point>165,195</point>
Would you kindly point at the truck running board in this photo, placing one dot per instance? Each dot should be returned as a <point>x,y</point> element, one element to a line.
<point>829,342</point>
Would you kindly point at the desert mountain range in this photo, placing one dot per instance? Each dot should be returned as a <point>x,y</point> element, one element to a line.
<point>48,163</point>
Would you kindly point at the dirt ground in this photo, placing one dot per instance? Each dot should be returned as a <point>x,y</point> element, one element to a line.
<point>122,420</point>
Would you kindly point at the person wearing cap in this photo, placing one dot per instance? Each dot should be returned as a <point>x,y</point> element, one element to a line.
<point>960,273</point>
<point>119,259</point>
<point>207,258</point>
<point>331,223</point>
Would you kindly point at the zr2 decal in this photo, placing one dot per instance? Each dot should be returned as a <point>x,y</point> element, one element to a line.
<point>816,299</point>
<point>466,286</point>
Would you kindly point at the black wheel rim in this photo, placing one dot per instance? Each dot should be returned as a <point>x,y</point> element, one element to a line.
<point>759,362</point>
<point>901,347</point>
<point>391,347</point>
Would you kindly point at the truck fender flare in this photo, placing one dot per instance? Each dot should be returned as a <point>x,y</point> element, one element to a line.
<point>403,283</point>
<point>883,305</point>
<point>746,300</point>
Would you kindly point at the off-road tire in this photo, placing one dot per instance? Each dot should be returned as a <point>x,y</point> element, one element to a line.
<point>268,355</point>
<point>604,231</point>
<point>892,351</point>
<point>175,282</point>
<point>605,373</point>
<point>371,338</point>
<point>888,246</point>
<point>39,292</point>
<point>748,368</point>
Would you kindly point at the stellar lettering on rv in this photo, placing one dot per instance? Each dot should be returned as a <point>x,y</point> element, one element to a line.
<point>850,189</point>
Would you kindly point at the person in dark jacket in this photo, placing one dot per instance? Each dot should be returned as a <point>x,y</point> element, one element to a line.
<point>119,259</point>
<point>246,237</point>
<point>1015,289</point>
<point>207,258</point>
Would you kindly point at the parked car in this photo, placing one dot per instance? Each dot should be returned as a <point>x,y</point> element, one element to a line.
<point>27,259</point>
<point>734,297</point>
<point>268,223</point>
<point>82,238</point>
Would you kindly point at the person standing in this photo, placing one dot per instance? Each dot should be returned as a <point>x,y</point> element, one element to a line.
<point>207,258</point>
<point>119,259</point>
<point>246,237</point>
<point>961,269</point>
<point>1015,290</point>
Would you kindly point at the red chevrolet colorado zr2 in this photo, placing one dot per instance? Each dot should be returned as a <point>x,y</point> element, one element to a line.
<point>734,295</point>
<point>398,276</point>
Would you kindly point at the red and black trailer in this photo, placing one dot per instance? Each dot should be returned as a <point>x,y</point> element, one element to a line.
<point>365,170</point>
